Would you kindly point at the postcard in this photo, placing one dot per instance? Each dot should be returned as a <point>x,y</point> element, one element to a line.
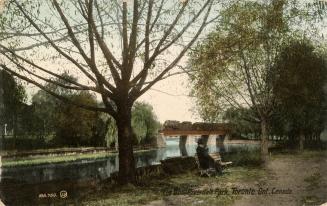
<point>163,102</point>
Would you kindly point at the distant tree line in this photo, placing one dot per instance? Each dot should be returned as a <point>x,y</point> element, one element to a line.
<point>48,122</point>
<point>11,105</point>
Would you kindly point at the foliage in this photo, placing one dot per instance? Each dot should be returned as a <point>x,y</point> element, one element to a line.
<point>72,126</point>
<point>244,157</point>
<point>75,126</point>
<point>144,122</point>
<point>299,89</point>
<point>53,117</point>
<point>242,125</point>
<point>14,96</point>
<point>44,111</point>
<point>106,130</point>
<point>234,66</point>
<point>121,54</point>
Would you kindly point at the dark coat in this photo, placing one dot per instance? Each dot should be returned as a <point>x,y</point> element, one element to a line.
<point>204,158</point>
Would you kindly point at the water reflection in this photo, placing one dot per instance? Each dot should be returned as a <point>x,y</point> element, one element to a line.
<point>102,168</point>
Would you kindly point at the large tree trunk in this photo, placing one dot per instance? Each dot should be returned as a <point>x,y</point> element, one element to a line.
<point>125,146</point>
<point>264,140</point>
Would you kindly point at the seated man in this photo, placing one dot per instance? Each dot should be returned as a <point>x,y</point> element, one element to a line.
<point>205,160</point>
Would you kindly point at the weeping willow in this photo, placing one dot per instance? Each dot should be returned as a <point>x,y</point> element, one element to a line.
<point>144,123</point>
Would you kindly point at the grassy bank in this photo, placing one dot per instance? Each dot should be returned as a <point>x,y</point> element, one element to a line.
<point>190,189</point>
<point>58,158</point>
<point>53,159</point>
<point>184,189</point>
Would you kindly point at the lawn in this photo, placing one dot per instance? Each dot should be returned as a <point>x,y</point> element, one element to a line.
<point>184,189</point>
<point>58,158</point>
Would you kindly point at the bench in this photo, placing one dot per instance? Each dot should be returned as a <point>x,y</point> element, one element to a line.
<point>217,158</point>
<point>204,172</point>
<point>211,171</point>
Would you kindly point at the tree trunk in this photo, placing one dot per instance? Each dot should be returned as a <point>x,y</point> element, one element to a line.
<point>264,140</point>
<point>15,126</point>
<point>3,141</point>
<point>301,142</point>
<point>125,146</point>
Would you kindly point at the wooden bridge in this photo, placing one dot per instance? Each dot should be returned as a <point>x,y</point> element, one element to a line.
<point>189,133</point>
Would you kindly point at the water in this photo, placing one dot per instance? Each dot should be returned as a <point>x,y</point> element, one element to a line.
<point>43,184</point>
<point>100,169</point>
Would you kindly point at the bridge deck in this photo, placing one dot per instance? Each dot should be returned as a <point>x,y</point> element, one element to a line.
<point>191,132</point>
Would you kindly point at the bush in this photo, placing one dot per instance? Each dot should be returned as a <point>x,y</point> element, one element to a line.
<point>23,143</point>
<point>244,157</point>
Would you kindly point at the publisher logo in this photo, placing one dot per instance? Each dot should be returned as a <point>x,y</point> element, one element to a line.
<point>63,194</point>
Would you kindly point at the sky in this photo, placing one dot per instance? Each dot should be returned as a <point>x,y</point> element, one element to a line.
<point>176,105</point>
<point>169,98</point>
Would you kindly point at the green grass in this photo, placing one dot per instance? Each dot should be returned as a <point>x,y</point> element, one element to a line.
<point>306,154</point>
<point>244,157</point>
<point>179,189</point>
<point>53,159</point>
<point>57,158</point>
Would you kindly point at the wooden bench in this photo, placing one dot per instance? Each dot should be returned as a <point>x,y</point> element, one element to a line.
<point>211,171</point>
<point>203,172</point>
<point>217,158</point>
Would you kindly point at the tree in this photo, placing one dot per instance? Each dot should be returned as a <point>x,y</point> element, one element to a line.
<point>299,90</point>
<point>13,97</point>
<point>55,118</point>
<point>75,126</point>
<point>242,125</point>
<point>121,48</point>
<point>47,107</point>
<point>233,67</point>
<point>144,122</point>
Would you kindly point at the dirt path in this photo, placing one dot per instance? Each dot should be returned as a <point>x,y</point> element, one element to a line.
<point>304,176</point>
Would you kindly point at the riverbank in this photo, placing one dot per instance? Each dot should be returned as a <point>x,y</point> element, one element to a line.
<point>39,157</point>
<point>288,179</point>
<point>63,155</point>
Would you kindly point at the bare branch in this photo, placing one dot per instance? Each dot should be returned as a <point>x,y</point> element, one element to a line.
<point>42,69</point>
<point>53,44</point>
<point>78,104</point>
<point>158,50</point>
<point>172,65</point>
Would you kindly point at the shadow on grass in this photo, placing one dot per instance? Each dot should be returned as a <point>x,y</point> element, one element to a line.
<point>183,189</point>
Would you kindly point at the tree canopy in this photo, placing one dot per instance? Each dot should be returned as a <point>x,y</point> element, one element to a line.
<point>73,126</point>
<point>234,66</point>
<point>299,89</point>
<point>13,97</point>
<point>121,48</point>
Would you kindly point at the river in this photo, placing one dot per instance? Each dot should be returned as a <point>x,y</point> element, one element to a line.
<point>102,168</point>
<point>48,175</point>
